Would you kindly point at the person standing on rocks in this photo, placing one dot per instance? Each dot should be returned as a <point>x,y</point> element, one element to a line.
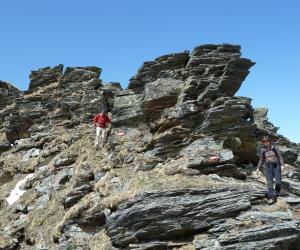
<point>100,122</point>
<point>272,159</point>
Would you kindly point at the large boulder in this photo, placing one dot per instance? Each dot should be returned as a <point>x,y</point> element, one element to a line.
<point>26,111</point>
<point>161,94</point>
<point>128,108</point>
<point>257,230</point>
<point>218,69</point>
<point>167,66</point>
<point>228,119</point>
<point>172,214</point>
<point>75,77</point>
<point>209,156</point>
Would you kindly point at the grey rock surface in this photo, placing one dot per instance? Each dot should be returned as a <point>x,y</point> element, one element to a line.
<point>167,215</point>
<point>176,172</point>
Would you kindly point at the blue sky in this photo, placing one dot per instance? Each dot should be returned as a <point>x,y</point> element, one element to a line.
<point>119,35</point>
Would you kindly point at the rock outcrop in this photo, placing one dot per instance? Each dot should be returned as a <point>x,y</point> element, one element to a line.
<point>8,93</point>
<point>177,171</point>
<point>167,215</point>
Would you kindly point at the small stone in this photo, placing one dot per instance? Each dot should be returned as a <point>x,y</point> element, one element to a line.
<point>215,177</point>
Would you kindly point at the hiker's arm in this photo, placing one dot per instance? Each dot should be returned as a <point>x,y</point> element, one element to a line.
<point>94,122</point>
<point>279,156</point>
<point>109,120</point>
<point>261,160</point>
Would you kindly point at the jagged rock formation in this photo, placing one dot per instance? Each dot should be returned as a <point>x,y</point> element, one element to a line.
<point>176,172</point>
<point>8,93</point>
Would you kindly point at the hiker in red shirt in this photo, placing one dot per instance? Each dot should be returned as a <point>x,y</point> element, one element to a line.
<point>100,122</point>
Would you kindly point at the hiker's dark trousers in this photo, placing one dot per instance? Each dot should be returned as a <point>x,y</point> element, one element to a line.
<point>273,170</point>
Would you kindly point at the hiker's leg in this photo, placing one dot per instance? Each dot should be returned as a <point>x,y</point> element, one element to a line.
<point>100,136</point>
<point>277,173</point>
<point>270,176</point>
<point>104,134</point>
<point>103,131</point>
<point>97,136</point>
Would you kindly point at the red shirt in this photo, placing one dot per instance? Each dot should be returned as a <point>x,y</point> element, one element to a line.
<point>101,120</point>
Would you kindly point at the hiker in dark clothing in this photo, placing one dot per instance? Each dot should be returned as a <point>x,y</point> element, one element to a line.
<point>272,159</point>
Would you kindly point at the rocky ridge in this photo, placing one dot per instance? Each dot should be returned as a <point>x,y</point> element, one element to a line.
<point>177,171</point>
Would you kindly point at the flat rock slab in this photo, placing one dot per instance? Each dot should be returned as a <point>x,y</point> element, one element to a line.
<point>277,236</point>
<point>291,186</point>
<point>171,214</point>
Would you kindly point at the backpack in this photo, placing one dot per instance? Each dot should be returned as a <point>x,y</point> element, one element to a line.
<point>274,150</point>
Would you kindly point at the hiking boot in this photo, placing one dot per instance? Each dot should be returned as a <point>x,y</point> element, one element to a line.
<point>277,190</point>
<point>271,201</point>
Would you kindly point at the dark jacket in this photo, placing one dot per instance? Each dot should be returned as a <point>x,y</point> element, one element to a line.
<point>270,155</point>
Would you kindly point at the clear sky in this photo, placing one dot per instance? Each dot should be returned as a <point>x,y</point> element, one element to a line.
<point>119,35</point>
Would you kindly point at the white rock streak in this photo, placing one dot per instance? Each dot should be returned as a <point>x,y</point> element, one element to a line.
<point>17,192</point>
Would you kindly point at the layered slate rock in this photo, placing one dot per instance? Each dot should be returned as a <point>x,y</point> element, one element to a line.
<point>218,69</point>
<point>212,66</point>
<point>264,126</point>
<point>265,230</point>
<point>128,108</point>
<point>176,171</point>
<point>81,186</point>
<point>279,236</point>
<point>25,112</point>
<point>168,66</point>
<point>292,185</point>
<point>88,75</point>
<point>45,76</point>
<point>207,73</point>
<point>8,94</point>
<point>229,119</point>
<point>4,146</point>
<point>191,94</point>
<point>172,214</point>
<point>210,157</point>
<point>55,96</point>
<point>161,94</point>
